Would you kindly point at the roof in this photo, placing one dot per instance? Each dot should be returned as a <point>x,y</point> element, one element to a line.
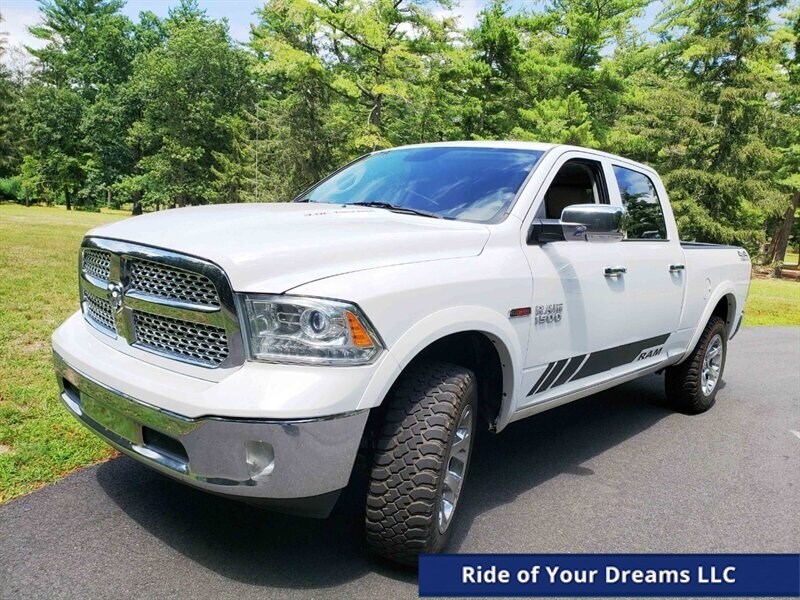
<point>517,145</point>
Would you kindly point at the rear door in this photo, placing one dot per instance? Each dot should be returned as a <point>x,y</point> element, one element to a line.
<point>652,256</point>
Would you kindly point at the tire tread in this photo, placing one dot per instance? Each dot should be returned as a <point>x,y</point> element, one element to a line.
<point>401,515</point>
<point>682,381</point>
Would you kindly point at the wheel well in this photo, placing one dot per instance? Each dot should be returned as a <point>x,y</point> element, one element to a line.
<point>726,310</point>
<point>473,350</point>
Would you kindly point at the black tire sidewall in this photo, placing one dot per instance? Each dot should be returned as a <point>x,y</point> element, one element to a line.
<point>684,381</point>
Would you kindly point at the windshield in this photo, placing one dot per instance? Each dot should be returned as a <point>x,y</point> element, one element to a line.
<point>474,184</point>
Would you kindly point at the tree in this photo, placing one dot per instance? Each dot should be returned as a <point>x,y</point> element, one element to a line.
<point>234,171</point>
<point>491,73</point>
<point>384,51</point>
<point>10,158</point>
<point>700,113</point>
<point>87,55</point>
<point>187,89</point>
<point>52,119</point>
<point>294,131</point>
<point>786,138</point>
<point>87,44</point>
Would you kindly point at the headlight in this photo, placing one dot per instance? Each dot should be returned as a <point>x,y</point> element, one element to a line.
<point>308,330</point>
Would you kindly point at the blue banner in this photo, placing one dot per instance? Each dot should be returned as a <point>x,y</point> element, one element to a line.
<point>721,575</point>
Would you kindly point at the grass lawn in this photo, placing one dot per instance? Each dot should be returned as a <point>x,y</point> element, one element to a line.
<point>39,441</point>
<point>773,302</point>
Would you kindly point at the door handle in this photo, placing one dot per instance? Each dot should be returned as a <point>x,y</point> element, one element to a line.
<point>676,268</point>
<point>615,271</point>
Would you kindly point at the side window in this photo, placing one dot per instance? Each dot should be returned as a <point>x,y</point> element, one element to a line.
<point>640,199</point>
<point>577,182</point>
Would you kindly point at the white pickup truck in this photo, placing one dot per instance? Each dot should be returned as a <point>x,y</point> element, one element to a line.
<point>393,308</point>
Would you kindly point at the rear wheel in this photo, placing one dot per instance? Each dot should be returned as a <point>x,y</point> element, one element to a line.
<point>421,461</point>
<point>692,385</point>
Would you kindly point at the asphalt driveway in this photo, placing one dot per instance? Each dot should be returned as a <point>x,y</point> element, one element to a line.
<point>616,472</point>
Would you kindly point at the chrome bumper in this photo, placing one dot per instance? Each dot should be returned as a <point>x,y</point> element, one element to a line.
<point>297,459</point>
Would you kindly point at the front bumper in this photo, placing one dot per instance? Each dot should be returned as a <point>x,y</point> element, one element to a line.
<point>249,458</point>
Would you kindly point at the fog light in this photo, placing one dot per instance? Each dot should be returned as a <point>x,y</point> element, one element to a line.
<point>260,458</point>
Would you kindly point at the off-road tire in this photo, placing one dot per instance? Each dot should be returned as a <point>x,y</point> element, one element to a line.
<point>683,381</point>
<point>408,465</point>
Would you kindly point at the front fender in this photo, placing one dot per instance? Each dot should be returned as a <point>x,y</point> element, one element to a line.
<point>440,324</point>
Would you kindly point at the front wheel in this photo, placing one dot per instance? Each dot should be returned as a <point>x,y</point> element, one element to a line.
<point>692,385</point>
<point>421,461</point>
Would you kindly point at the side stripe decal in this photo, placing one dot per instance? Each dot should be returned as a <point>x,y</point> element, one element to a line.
<point>553,374</point>
<point>542,378</point>
<point>577,367</point>
<point>606,360</point>
<point>570,369</point>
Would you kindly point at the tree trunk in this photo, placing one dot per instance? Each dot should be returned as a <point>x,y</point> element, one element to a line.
<point>68,198</point>
<point>137,203</point>
<point>375,113</point>
<point>782,234</point>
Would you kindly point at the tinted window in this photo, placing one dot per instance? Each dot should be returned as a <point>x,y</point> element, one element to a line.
<point>577,182</point>
<point>640,199</point>
<point>475,184</point>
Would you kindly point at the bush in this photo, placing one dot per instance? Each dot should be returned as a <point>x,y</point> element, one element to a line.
<point>11,188</point>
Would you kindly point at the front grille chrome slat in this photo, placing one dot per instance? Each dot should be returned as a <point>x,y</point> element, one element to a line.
<point>163,281</point>
<point>194,342</point>
<point>97,263</point>
<point>172,306</point>
<point>99,310</point>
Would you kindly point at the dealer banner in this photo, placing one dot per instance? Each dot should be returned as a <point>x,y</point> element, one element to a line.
<point>609,575</point>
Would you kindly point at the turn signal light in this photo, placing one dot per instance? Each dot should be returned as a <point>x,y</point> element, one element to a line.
<point>360,336</point>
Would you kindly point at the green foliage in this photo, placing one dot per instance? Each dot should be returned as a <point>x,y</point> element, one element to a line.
<point>186,90</point>
<point>169,112</point>
<point>706,112</point>
<point>9,116</point>
<point>51,119</point>
<point>11,188</point>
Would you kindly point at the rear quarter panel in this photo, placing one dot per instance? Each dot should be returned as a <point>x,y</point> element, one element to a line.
<point>713,272</point>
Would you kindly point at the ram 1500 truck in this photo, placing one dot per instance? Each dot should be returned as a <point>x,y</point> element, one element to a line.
<point>392,309</point>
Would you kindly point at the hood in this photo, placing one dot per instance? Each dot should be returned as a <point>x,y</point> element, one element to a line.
<point>277,246</point>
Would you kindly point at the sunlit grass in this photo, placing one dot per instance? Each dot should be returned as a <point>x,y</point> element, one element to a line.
<point>773,302</point>
<point>39,441</point>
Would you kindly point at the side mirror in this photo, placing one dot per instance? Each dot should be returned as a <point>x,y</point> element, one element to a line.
<point>581,222</point>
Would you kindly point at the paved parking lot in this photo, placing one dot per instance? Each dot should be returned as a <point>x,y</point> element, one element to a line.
<point>616,472</point>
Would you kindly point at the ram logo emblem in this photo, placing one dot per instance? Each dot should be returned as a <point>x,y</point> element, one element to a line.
<point>650,353</point>
<point>115,295</point>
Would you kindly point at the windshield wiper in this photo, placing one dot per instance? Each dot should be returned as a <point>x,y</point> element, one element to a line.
<point>394,208</point>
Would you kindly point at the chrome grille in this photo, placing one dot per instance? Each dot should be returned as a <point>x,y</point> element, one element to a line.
<point>97,263</point>
<point>156,301</point>
<point>195,342</point>
<point>175,284</point>
<point>100,311</point>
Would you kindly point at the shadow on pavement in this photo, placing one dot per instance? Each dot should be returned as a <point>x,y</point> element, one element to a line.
<point>257,547</point>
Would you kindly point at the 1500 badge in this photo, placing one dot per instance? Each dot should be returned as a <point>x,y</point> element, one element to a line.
<point>547,313</point>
